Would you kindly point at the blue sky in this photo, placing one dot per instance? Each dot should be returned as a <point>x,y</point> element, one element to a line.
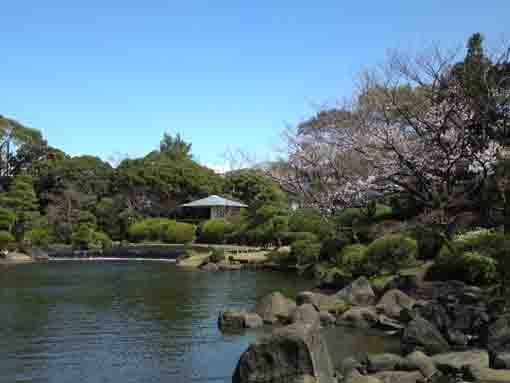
<point>103,79</point>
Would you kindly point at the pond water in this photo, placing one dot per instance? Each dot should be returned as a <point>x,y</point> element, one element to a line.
<point>113,322</point>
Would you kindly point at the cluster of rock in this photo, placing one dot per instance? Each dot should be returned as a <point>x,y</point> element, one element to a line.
<point>224,265</point>
<point>449,332</point>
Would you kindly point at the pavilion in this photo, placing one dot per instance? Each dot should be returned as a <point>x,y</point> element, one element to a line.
<point>215,207</point>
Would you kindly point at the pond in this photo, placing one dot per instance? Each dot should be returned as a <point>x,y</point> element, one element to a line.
<point>113,322</point>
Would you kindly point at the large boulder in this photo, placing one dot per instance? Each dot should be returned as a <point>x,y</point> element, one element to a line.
<point>417,360</point>
<point>423,336</point>
<point>307,297</point>
<point>486,375</point>
<point>305,313</point>
<point>383,362</point>
<point>355,377</point>
<point>358,293</point>
<point>452,363</point>
<point>399,377</point>
<point>393,302</point>
<point>497,337</point>
<point>359,317</point>
<point>210,267</point>
<point>294,353</point>
<point>233,320</point>
<point>275,307</point>
<point>501,361</point>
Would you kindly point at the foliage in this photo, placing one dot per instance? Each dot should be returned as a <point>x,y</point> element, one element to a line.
<point>470,267</point>
<point>282,257</point>
<point>7,218</point>
<point>290,237</point>
<point>217,255</point>
<point>84,237</point>
<point>353,260</point>
<point>174,148</point>
<point>216,230</point>
<point>179,232</point>
<point>331,247</point>
<point>305,252</point>
<point>40,237</point>
<point>307,220</point>
<point>254,188</point>
<point>150,229</point>
<point>390,253</point>
<point>5,239</point>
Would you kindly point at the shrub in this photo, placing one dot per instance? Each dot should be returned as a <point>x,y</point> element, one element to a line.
<point>101,240</point>
<point>307,220</point>
<point>216,230</point>
<point>150,229</point>
<point>217,256</point>
<point>39,237</point>
<point>485,241</point>
<point>353,260</point>
<point>429,243</point>
<point>390,253</point>
<point>83,237</point>
<point>305,251</point>
<point>470,267</point>
<point>180,232</point>
<point>331,248</point>
<point>7,217</point>
<point>6,238</point>
<point>282,257</point>
<point>289,237</point>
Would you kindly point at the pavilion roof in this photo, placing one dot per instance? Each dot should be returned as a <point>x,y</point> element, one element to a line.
<point>214,200</point>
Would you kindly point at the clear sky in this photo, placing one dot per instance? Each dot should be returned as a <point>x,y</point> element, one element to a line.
<point>109,76</point>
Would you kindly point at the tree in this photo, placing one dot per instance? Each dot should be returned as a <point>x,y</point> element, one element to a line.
<point>175,148</point>
<point>21,198</point>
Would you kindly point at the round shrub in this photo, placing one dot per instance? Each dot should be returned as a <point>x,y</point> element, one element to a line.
<point>470,267</point>
<point>180,232</point>
<point>150,229</point>
<point>353,260</point>
<point>217,256</point>
<point>292,236</point>
<point>6,238</point>
<point>39,237</point>
<point>216,230</point>
<point>82,237</point>
<point>305,252</point>
<point>102,240</point>
<point>485,241</point>
<point>307,220</point>
<point>390,253</point>
<point>331,248</point>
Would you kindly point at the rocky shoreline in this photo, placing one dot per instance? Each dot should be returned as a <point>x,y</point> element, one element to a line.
<point>448,331</point>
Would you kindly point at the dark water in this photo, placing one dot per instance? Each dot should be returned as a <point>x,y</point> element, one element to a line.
<point>131,322</point>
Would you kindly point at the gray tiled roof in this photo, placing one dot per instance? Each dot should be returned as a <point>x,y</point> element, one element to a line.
<point>214,200</point>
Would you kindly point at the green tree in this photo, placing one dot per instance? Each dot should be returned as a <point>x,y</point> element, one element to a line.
<point>175,148</point>
<point>22,199</point>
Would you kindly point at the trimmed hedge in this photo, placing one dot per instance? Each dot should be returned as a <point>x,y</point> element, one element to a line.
<point>7,217</point>
<point>216,230</point>
<point>390,253</point>
<point>180,232</point>
<point>39,237</point>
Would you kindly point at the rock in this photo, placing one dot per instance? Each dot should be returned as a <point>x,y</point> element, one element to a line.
<point>422,335</point>
<point>37,254</point>
<point>348,365</point>
<point>497,338</point>
<point>327,319</point>
<point>331,303</point>
<point>501,361</point>
<point>210,267</point>
<point>393,302</point>
<point>293,353</point>
<point>13,258</point>
<point>399,377</point>
<point>486,375</point>
<point>359,317</point>
<point>307,297</point>
<point>453,362</point>
<point>253,320</point>
<point>305,313</point>
<point>275,307</point>
<point>225,266</point>
<point>355,377</point>
<point>417,360</point>
<point>387,324</point>
<point>383,362</point>
<point>358,292</point>
<point>233,320</point>
<point>405,283</point>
